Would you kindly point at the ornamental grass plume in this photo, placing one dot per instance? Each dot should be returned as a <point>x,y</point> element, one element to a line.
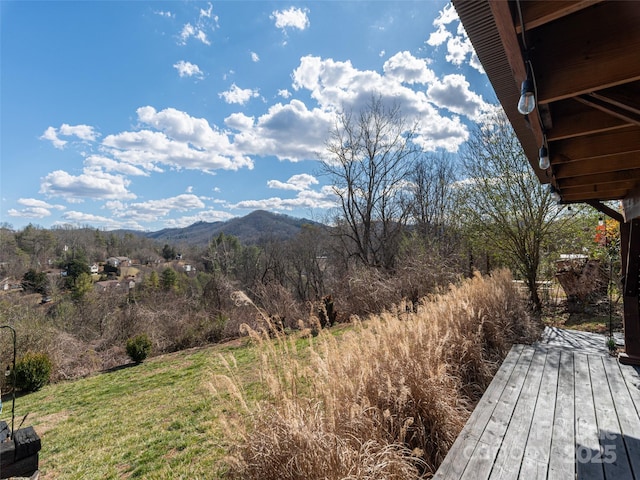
<point>386,399</point>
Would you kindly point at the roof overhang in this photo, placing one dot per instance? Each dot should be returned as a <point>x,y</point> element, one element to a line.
<point>585,60</point>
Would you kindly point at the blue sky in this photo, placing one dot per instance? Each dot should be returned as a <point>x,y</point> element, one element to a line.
<point>148,115</point>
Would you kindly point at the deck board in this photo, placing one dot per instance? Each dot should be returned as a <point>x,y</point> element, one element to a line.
<point>481,462</point>
<point>507,463</point>
<point>553,411</point>
<point>456,460</point>
<point>536,455</point>
<point>561,464</point>
<point>626,414</point>
<point>613,453</point>
<point>587,443</point>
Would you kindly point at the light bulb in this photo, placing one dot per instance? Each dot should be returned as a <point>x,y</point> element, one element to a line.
<point>544,158</point>
<point>527,99</point>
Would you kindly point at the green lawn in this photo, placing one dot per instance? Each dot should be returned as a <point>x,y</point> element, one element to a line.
<point>156,420</point>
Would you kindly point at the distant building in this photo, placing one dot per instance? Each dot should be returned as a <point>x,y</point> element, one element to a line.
<point>118,262</point>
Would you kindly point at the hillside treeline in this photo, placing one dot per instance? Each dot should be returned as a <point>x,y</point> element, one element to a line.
<point>405,223</point>
<point>189,297</point>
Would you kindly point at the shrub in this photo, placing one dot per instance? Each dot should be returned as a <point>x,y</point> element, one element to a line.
<point>139,347</point>
<point>32,371</point>
<point>327,313</point>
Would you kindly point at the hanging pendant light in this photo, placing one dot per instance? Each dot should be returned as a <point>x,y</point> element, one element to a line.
<point>527,102</point>
<point>545,163</point>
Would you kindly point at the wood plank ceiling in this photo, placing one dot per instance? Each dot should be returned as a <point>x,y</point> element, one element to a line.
<point>585,60</point>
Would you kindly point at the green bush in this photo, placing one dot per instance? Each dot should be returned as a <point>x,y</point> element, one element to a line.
<point>32,371</point>
<point>139,347</point>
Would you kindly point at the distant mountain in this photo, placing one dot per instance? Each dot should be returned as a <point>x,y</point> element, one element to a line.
<point>250,229</point>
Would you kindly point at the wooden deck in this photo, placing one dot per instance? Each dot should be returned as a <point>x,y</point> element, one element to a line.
<point>560,409</point>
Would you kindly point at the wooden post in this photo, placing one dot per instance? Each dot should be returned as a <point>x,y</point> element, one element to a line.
<point>19,456</point>
<point>630,252</point>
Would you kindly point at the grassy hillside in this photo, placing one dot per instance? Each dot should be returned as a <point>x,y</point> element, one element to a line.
<point>156,420</point>
<point>383,399</point>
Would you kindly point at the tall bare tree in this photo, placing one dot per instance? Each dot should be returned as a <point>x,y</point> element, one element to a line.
<point>369,154</point>
<point>505,204</point>
<point>433,198</point>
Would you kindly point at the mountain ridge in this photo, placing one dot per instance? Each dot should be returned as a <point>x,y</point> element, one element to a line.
<point>253,228</point>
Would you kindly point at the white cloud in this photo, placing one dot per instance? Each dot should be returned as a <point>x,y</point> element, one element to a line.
<point>382,53</point>
<point>438,37</point>
<point>255,57</point>
<point>189,31</point>
<point>83,132</point>
<point>290,132</point>
<point>188,69</point>
<point>454,94</point>
<point>338,85</point>
<point>239,121</point>
<point>291,18</point>
<point>34,208</point>
<point>238,95</point>
<point>206,13</point>
<point>101,163</point>
<point>96,185</point>
<point>34,202</point>
<point>203,216</point>
<point>206,21</point>
<point>408,69</point>
<point>152,210</point>
<point>182,127</point>
<point>447,15</point>
<point>189,189</point>
<point>297,182</point>
<point>295,132</point>
<point>30,212</point>
<point>108,223</point>
<point>166,14</point>
<point>284,93</point>
<point>324,198</point>
<point>181,142</point>
<point>51,134</point>
<point>459,48</point>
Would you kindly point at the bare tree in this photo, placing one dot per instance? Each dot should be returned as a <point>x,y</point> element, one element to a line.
<point>306,257</point>
<point>505,204</point>
<point>369,154</point>
<point>433,200</point>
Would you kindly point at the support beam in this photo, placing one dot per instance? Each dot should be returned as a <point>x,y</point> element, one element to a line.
<point>614,163</point>
<point>535,14</point>
<point>573,119</point>
<point>573,195</point>
<point>600,179</point>
<point>618,142</point>
<point>610,212</point>
<point>590,51</point>
<point>600,103</point>
<point>630,251</point>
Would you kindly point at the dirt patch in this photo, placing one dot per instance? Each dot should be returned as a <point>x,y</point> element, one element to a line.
<point>47,422</point>
<point>595,318</point>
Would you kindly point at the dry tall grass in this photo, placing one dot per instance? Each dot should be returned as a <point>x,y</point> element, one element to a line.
<point>386,399</point>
